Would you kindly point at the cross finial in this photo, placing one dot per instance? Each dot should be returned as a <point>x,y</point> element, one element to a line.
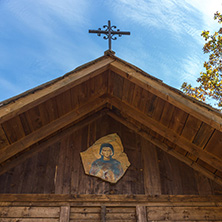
<point>109,33</point>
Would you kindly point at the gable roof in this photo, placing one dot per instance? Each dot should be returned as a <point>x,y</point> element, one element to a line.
<point>180,125</point>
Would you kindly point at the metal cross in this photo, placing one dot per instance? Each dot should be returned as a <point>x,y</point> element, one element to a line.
<point>109,32</point>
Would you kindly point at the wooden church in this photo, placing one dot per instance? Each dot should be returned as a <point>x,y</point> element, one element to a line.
<point>173,143</point>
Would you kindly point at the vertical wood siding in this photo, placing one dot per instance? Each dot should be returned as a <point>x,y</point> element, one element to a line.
<point>58,168</point>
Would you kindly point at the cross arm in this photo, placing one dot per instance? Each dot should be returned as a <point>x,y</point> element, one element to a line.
<point>98,31</point>
<point>120,33</point>
<point>106,32</point>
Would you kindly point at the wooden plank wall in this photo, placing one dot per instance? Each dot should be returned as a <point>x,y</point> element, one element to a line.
<point>94,214</point>
<point>121,211</point>
<point>58,168</point>
<point>29,214</point>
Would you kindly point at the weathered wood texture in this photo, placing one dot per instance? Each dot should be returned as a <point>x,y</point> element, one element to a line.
<point>124,214</point>
<point>28,214</point>
<point>117,208</point>
<point>141,214</point>
<point>78,200</point>
<point>79,214</point>
<point>165,132</point>
<point>45,119</point>
<point>64,214</point>
<point>58,168</point>
<point>184,213</point>
<point>86,214</point>
<point>198,136</point>
<point>166,93</point>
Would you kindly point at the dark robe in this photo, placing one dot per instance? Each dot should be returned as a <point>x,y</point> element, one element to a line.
<point>110,170</point>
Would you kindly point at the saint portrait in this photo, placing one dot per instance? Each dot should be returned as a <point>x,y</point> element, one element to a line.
<point>106,167</point>
<point>106,159</point>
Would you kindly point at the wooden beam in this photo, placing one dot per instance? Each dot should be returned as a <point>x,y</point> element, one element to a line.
<point>141,214</point>
<point>64,214</point>
<point>166,133</point>
<point>144,200</point>
<point>46,92</point>
<point>91,106</point>
<point>138,129</point>
<point>200,111</point>
<point>52,140</point>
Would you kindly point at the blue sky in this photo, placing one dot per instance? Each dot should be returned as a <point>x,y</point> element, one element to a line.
<point>42,40</point>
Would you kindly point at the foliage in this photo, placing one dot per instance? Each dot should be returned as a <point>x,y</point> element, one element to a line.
<point>211,79</point>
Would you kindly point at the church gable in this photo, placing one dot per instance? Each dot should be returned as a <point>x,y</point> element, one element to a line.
<point>187,130</point>
<point>173,144</point>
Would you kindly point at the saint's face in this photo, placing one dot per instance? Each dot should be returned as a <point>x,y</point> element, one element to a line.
<point>106,152</point>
